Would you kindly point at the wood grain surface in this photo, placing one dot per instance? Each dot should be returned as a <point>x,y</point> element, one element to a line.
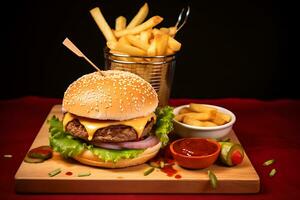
<point>34,178</point>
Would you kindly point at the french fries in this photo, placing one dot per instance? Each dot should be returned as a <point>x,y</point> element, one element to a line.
<point>225,117</point>
<point>139,37</point>
<point>161,43</point>
<point>185,110</point>
<point>150,23</point>
<point>172,31</point>
<point>165,30</point>
<point>123,40</point>
<point>102,24</point>
<point>127,49</point>
<point>120,23</point>
<point>196,116</point>
<point>201,108</point>
<point>170,51</point>
<point>201,115</point>
<point>139,17</point>
<point>209,124</point>
<point>145,37</point>
<point>152,49</point>
<point>174,44</point>
<point>194,122</point>
<point>219,119</point>
<point>156,31</point>
<point>135,41</point>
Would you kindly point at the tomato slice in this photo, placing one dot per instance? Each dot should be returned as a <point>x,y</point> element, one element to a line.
<point>236,157</point>
<point>42,152</point>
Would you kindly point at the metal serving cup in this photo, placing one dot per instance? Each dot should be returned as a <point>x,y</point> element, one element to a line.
<point>157,70</point>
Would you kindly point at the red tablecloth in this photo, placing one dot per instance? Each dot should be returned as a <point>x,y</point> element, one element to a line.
<point>266,129</point>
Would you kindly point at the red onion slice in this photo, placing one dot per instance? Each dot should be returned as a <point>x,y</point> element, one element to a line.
<point>107,145</point>
<point>142,144</point>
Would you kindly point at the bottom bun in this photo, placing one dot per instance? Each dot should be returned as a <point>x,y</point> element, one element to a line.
<point>88,158</point>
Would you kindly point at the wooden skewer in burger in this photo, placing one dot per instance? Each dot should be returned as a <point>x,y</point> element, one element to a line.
<point>71,46</point>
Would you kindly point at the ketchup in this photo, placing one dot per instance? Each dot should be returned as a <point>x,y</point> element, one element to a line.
<point>178,176</point>
<point>165,156</point>
<point>69,173</point>
<point>169,170</point>
<point>195,147</point>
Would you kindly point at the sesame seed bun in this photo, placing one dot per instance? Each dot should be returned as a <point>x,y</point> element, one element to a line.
<point>88,158</point>
<point>118,95</point>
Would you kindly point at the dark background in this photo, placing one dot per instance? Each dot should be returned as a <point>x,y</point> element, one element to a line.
<point>230,48</point>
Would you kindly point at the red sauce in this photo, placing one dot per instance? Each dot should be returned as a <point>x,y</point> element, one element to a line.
<point>170,161</point>
<point>166,156</point>
<point>195,147</point>
<point>69,173</point>
<point>178,176</point>
<point>43,150</point>
<point>169,170</point>
<point>236,157</point>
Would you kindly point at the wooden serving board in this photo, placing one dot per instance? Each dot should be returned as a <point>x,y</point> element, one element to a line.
<point>32,177</point>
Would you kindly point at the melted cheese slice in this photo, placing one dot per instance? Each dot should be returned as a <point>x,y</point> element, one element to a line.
<point>92,125</point>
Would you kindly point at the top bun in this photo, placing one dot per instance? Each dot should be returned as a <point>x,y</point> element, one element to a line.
<point>117,95</point>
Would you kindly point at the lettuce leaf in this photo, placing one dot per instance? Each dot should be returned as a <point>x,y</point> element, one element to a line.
<point>63,142</point>
<point>69,146</point>
<point>164,123</point>
<point>115,155</point>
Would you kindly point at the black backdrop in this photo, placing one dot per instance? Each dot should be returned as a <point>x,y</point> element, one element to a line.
<point>230,48</point>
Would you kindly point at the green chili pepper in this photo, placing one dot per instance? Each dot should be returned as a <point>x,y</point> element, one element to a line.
<point>54,172</point>
<point>148,171</point>
<point>213,179</point>
<point>272,172</point>
<point>269,162</point>
<point>84,174</point>
<point>226,140</point>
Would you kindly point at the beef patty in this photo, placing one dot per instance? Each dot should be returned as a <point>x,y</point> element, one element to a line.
<point>114,133</point>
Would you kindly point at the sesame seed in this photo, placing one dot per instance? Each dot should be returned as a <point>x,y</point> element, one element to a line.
<point>91,91</point>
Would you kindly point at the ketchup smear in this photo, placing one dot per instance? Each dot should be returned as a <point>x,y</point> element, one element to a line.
<point>166,156</point>
<point>178,176</point>
<point>69,173</point>
<point>169,170</point>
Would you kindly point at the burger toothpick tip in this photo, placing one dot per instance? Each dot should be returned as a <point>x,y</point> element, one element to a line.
<point>71,46</point>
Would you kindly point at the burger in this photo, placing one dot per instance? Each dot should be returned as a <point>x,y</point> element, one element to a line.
<point>109,121</point>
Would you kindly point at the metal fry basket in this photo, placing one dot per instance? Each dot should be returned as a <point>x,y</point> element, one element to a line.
<point>157,70</point>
